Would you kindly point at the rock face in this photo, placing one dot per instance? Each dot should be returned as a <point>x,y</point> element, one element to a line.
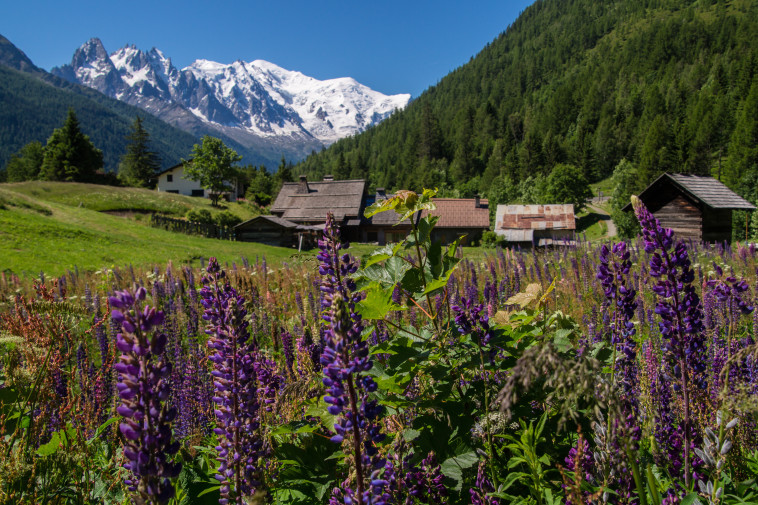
<point>258,104</point>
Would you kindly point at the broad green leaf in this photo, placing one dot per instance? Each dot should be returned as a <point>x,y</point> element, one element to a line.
<point>378,303</point>
<point>51,447</point>
<point>453,467</point>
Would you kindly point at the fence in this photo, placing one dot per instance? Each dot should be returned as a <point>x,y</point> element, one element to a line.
<point>209,230</point>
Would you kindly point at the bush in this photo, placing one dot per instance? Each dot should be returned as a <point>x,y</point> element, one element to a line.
<point>491,239</point>
<point>226,219</point>
<point>199,216</point>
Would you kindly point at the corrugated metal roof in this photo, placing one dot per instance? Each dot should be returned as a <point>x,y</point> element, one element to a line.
<point>535,217</point>
<point>517,235</point>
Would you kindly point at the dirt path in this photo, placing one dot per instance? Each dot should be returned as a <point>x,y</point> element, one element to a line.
<point>611,227</point>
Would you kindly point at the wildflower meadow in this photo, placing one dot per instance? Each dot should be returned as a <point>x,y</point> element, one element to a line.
<point>593,373</point>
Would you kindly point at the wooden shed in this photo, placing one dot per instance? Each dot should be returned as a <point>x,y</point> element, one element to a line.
<point>273,230</point>
<point>695,207</point>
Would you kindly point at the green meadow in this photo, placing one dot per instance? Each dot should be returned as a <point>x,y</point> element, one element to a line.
<point>53,227</point>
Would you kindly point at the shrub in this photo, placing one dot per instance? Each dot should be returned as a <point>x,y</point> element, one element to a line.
<point>226,219</point>
<point>199,216</point>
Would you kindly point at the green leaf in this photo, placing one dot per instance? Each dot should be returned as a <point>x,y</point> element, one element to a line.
<point>690,499</point>
<point>378,302</point>
<point>51,447</point>
<point>453,467</point>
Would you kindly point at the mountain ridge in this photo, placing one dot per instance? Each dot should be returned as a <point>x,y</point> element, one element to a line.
<point>259,104</point>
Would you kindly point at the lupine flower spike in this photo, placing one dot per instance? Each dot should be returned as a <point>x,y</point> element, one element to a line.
<point>681,313</point>
<point>235,380</point>
<point>144,390</point>
<point>346,361</point>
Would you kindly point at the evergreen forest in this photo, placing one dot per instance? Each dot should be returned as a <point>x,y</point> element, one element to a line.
<point>667,85</point>
<point>30,109</point>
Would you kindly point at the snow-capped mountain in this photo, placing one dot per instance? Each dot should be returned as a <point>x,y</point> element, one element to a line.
<point>258,104</point>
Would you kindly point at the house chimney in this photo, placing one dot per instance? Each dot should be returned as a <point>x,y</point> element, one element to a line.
<point>328,177</point>
<point>477,202</point>
<point>380,194</point>
<point>302,187</point>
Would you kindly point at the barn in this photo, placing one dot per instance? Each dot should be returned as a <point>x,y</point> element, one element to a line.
<point>694,207</point>
<point>273,230</point>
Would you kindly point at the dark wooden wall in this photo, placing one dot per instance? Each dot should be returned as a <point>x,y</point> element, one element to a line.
<point>265,232</point>
<point>717,225</point>
<point>683,217</point>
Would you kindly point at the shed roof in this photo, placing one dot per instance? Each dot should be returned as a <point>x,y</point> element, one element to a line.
<point>280,222</point>
<point>535,217</point>
<point>461,213</point>
<point>273,219</point>
<point>342,198</point>
<point>707,190</point>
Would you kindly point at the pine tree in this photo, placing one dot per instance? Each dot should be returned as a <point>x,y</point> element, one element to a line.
<point>70,155</point>
<point>139,165</point>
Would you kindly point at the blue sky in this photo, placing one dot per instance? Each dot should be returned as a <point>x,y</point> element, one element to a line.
<point>391,46</point>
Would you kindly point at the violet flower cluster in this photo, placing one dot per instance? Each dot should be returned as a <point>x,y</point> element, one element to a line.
<point>613,273</point>
<point>235,381</point>
<point>346,360</point>
<point>472,320</point>
<point>482,487</point>
<point>730,290</point>
<point>426,482</point>
<point>678,305</point>
<point>144,391</point>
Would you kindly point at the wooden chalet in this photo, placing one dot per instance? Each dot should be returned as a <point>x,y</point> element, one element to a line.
<point>307,203</point>
<point>467,217</point>
<point>695,207</point>
<point>537,225</point>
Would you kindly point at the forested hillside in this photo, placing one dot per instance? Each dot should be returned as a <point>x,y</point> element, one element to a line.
<point>669,85</point>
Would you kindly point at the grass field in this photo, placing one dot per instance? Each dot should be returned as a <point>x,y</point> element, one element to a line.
<point>113,199</point>
<point>43,229</point>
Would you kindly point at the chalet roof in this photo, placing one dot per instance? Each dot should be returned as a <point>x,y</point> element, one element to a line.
<point>707,190</point>
<point>342,198</point>
<point>461,213</point>
<point>535,217</point>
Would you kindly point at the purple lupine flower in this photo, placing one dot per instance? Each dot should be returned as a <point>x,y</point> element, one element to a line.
<point>143,389</point>
<point>346,360</point>
<point>472,320</point>
<point>480,493</point>
<point>681,314</point>
<point>426,482</point>
<point>613,274</point>
<point>289,349</point>
<point>235,381</point>
<point>679,305</point>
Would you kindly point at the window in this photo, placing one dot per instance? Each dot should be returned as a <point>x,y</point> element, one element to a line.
<point>371,236</point>
<point>170,178</point>
<point>198,192</point>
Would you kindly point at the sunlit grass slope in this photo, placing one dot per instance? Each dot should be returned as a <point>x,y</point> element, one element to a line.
<point>113,199</point>
<point>50,232</point>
